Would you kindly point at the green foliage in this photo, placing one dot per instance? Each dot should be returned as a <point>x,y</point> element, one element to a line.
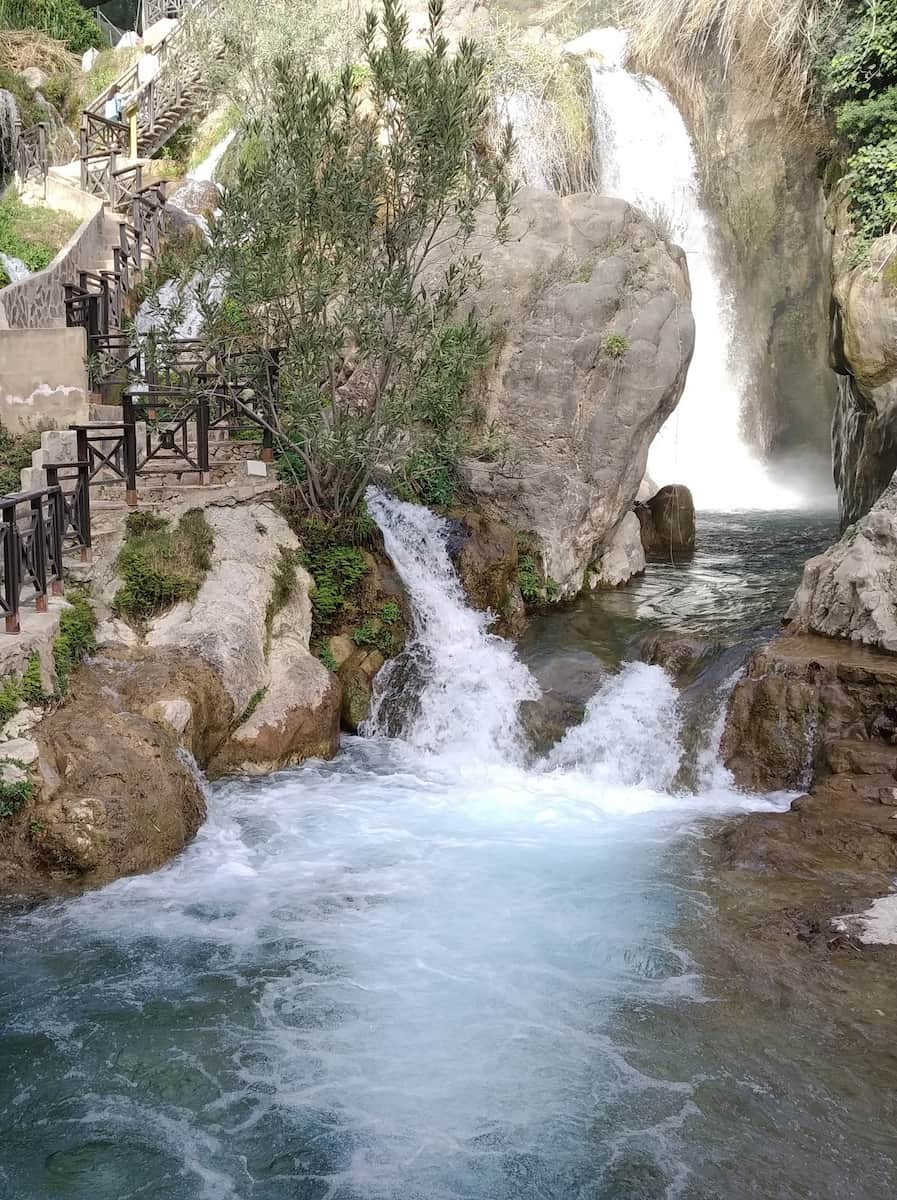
<point>371,633</point>
<point>64,20</point>
<point>14,797</point>
<point>552,589</point>
<point>873,188</point>
<point>10,698</point>
<point>32,233</point>
<point>75,640</point>
<point>861,79</point>
<point>614,345</point>
<point>282,589</point>
<point>873,120</point>
<point>254,701</point>
<point>32,683</point>
<point>159,565</point>
<point>390,613</point>
<point>325,654</point>
<point>344,191</point>
<point>30,111</point>
<point>15,453</point>
<point>337,569</point>
<point>866,61</point>
<point>529,577</point>
<point>365,634</point>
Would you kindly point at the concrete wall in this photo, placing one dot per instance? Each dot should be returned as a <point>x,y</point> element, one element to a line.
<point>43,378</point>
<point>39,302</point>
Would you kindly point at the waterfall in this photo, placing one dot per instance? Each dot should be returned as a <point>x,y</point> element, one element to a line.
<point>15,269</point>
<point>474,682</point>
<point>204,172</point>
<point>647,158</point>
<point>9,116</point>
<point>533,157</point>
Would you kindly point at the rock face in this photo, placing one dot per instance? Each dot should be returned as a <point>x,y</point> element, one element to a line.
<point>864,355</point>
<point>799,695</point>
<point>667,523</point>
<point>289,700</point>
<point>624,556</point>
<point>590,308</point>
<point>850,591</point>
<point>484,552</point>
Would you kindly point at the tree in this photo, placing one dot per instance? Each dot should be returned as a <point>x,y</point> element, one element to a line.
<point>348,239</point>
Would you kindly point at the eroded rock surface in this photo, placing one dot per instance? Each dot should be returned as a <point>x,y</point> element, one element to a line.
<point>591,311</point>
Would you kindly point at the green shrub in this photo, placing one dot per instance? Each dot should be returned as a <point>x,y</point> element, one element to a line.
<point>282,589</point>
<point>75,640</point>
<point>32,683</point>
<point>529,577</point>
<point>614,345</point>
<point>14,796</point>
<point>862,121</point>
<point>325,654</point>
<point>873,188</point>
<point>254,701</point>
<point>337,569</point>
<point>866,63</point>
<point>10,698</point>
<point>159,565</point>
<point>15,453</point>
<point>390,613</point>
<point>64,20</point>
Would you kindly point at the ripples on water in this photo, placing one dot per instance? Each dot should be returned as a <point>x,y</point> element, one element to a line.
<point>401,977</point>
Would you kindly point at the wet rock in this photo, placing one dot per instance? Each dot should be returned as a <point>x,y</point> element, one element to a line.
<point>799,695</point>
<point>624,556</point>
<point>484,551</point>
<point>676,650</point>
<point>668,523</point>
<point>577,419</point>
<point>567,681</point>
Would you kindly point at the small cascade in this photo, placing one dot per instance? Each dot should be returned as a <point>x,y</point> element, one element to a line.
<point>630,734</point>
<point>647,157</point>
<point>533,158</point>
<point>473,682</point>
<point>9,116</point>
<point>205,171</point>
<point>15,269</point>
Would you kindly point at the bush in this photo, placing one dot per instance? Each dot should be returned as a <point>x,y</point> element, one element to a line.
<point>614,345</point>
<point>32,683</point>
<point>75,640</point>
<point>64,20</point>
<point>159,565</point>
<point>873,189</point>
<point>337,568</point>
<point>862,121</point>
<point>15,453</point>
<point>14,796</point>
<point>866,63</point>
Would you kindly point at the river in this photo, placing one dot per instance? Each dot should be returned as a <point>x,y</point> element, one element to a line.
<point>430,972</point>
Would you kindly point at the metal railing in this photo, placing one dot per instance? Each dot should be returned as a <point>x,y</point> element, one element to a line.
<point>35,527</point>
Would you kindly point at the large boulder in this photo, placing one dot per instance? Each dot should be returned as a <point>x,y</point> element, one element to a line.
<point>850,591</point>
<point>668,522</point>
<point>864,355</point>
<point>285,700</point>
<point>624,556</point>
<point>590,310</point>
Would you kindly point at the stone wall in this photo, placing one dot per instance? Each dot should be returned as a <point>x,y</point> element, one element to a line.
<point>43,378</point>
<point>39,302</point>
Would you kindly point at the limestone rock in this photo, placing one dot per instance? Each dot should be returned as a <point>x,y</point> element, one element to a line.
<point>35,78</point>
<point>74,833</point>
<point>297,714</point>
<point>578,421</point>
<point>850,591</point>
<point>668,523</point>
<point>624,556</point>
<point>864,354</point>
<point>799,695</point>
<point>676,650</point>
<point>485,555</point>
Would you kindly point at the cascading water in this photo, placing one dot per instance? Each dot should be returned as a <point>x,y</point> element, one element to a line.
<point>473,682</point>
<point>647,158</point>
<point>15,269</point>
<point>396,975</point>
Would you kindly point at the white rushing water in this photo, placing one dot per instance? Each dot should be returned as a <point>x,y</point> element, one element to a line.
<point>647,158</point>
<point>396,976</point>
<point>15,269</point>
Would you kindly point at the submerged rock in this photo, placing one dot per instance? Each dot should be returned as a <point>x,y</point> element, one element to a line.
<point>590,309</point>
<point>677,651</point>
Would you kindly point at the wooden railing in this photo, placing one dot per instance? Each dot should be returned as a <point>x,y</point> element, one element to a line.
<point>32,155</point>
<point>35,527</point>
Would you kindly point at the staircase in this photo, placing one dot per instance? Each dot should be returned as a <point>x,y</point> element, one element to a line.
<point>163,89</point>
